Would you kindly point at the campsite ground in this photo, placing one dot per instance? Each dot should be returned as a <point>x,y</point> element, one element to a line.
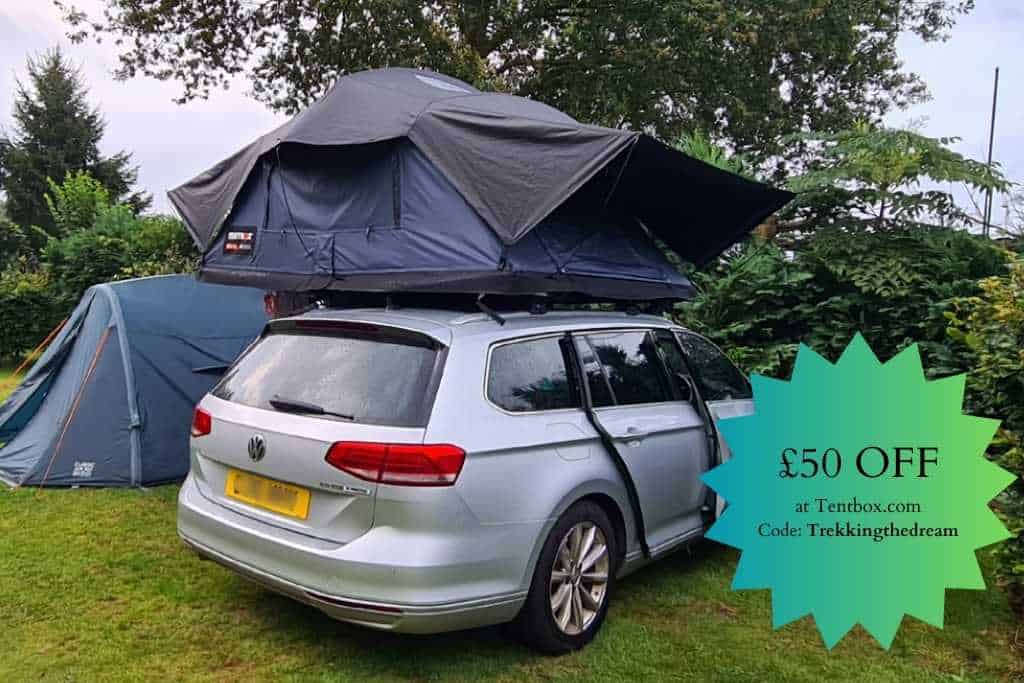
<point>94,585</point>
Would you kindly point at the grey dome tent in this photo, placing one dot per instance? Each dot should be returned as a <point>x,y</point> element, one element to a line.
<point>408,180</point>
<point>110,401</point>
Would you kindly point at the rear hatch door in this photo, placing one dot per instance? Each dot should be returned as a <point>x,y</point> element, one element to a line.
<point>265,455</point>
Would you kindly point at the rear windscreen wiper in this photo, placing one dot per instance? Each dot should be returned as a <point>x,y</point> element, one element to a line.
<point>291,405</point>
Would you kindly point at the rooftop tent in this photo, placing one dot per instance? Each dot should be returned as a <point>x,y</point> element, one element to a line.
<point>110,401</point>
<point>406,180</point>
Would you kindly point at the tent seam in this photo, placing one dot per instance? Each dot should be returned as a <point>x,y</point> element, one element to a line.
<point>129,380</point>
<point>74,405</point>
<point>52,443</point>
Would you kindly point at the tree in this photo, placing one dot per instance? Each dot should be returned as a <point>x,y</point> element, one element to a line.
<point>698,145</point>
<point>746,71</point>
<point>57,132</point>
<point>884,179</point>
<point>859,250</point>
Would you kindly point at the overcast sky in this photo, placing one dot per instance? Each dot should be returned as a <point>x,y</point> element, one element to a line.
<point>171,143</point>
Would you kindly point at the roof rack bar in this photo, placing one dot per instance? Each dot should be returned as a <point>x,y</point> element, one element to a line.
<point>490,312</point>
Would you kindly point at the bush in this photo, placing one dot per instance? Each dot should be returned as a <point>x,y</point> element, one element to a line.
<point>75,203</point>
<point>989,329</point>
<point>89,256</point>
<point>28,310</point>
<point>892,287</point>
<point>160,246</point>
<point>119,245</point>
<point>755,305</point>
<point>34,297</point>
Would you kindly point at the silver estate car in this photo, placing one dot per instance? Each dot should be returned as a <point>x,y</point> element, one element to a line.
<point>427,470</point>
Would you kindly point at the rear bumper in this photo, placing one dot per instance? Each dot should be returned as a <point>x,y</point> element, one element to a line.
<point>377,580</point>
<point>397,617</point>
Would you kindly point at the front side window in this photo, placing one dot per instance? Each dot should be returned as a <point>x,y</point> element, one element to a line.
<point>600,392</point>
<point>527,376</point>
<point>718,378</point>
<point>674,360</point>
<point>630,362</point>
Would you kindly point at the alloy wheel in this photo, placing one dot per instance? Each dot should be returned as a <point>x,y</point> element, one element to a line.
<point>579,578</point>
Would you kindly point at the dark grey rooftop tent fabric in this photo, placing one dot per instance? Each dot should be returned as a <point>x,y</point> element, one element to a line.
<point>505,166</point>
<point>110,401</point>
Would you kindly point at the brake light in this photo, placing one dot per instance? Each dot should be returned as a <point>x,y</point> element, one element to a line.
<point>399,464</point>
<point>202,422</point>
<point>270,304</point>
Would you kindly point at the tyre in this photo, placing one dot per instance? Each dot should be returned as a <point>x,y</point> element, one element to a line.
<point>572,582</point>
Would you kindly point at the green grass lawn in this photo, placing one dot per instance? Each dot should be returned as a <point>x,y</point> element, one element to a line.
<point>94,585</point>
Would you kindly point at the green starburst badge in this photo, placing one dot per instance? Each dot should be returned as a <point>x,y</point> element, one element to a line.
<point>858,492</point>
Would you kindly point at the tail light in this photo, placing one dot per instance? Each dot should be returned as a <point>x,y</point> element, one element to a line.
<point>202,422</point>
<point>270,304</point>
<point>399,464</point>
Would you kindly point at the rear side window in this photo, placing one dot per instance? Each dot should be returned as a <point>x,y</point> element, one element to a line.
<point>375,379</point>
<point>719,379</point>
<point>528,376</point>
<point>632,366</point>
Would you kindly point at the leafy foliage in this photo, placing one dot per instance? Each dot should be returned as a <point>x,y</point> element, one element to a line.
<point>57,132</point>
<point>754,306</point>
<point>989,329</point>
<point>661,65</point>
<point>75,203</point>
<point>871,177</point>
<point>761,303</point>
<point>117,246</point>
<point>699,146</point>
<point>17,243</point>
<point>28,309</point>
<point>98,242</point>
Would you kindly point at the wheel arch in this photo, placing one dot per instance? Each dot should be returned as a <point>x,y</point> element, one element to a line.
<point>615,516</point>
<point>612,501</point>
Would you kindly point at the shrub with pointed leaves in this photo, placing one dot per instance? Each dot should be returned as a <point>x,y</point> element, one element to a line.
<point>989,330</point>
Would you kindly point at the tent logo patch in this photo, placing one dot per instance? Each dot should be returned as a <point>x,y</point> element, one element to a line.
<point>83,469</point>
<point>240,241</point>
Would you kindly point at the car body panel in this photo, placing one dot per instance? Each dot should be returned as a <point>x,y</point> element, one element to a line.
<point>665,449</point>
<point>427,559</point>
<point>723,410</point>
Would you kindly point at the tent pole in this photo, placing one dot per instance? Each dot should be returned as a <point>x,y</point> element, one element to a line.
<point>74,407</point>
<point>30,358</point>
<point>618,176</point>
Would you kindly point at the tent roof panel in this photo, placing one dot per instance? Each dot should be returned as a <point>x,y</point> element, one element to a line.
<point>514,160</point>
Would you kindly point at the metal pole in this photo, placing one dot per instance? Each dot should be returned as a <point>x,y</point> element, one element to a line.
<point>991,143</point>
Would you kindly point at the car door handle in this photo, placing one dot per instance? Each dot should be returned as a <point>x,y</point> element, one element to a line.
<point>635,433</point>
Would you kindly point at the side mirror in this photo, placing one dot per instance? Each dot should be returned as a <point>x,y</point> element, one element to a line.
<point>686,387</point>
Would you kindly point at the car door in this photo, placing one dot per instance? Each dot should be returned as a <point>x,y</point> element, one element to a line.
<point>660,436</point>
<point>725,390</point>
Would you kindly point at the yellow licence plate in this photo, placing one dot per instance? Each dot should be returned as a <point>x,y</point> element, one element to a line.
<point>269,494</point>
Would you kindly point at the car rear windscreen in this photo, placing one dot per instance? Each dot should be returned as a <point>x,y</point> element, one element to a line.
<point>374,378</point>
